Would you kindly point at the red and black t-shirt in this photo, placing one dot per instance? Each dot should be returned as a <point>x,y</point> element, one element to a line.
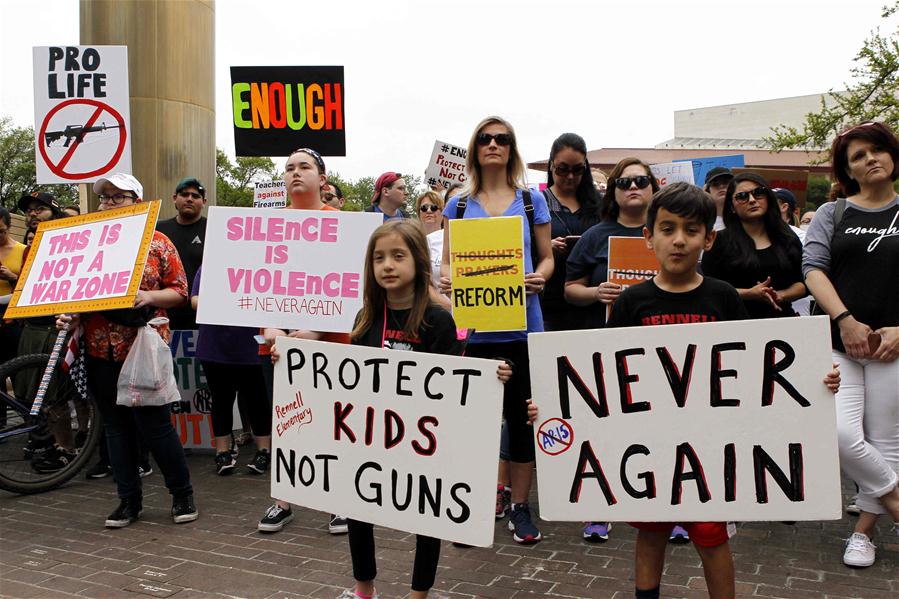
<point>437,334</point>
<point>647,305</point>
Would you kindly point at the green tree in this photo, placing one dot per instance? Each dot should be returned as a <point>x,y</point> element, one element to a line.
<point>17,168</point>
<point>234,181</point>
<point>872,95</point>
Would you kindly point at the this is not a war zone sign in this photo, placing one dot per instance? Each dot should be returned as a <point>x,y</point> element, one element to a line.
<point>292,269</point>
<point>86,263</point>
<point>279,109</point>
<point>487,271</point>
<point>269,194</point>
<point>684,423</point>
<point>795,181</point>
<point>81,112</point>
<point>701,166</point>
<point>630,262</point>
<point>673,172</point>
<point>390,437</point>
<point>447,165</point>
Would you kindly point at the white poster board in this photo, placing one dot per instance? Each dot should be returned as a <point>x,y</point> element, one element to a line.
<point>446,166</point>
<point>755,438</point>
<point>399,439</point>
<point>269,194</point>
<point>292,269</point>
<point>82,127</point>
<point>673,172</point>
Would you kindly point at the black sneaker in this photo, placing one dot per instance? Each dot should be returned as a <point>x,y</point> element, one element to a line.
<point>224,463</point>
<point>53,460</point>
<point>184,510</point>
<point>274,519</point>
<point>35,447</point>
<point>98,470</point>
<point>260,462</point>
<point>337,525</point>
<point>128,511</point>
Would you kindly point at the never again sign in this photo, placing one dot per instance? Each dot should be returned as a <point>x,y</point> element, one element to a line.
<point>279,109</point>
<point>391,437</point>
<point>684,423</point>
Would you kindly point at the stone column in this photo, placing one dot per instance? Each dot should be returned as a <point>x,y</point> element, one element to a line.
<point>171,71</point>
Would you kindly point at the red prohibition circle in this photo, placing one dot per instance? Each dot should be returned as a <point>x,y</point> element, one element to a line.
<point>563,446</point>
<point>59,171</point>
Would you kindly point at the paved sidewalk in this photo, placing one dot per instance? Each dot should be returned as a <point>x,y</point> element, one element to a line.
<point>54,545</point>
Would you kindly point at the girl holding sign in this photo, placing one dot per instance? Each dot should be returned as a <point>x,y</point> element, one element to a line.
<point>851,266</point>
<point>495,188</point>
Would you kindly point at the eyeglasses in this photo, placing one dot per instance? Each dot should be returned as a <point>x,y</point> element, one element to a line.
<point>115,199</point>
<point>624,183</point>
<point>328,197</point>
<point>563,170</point>
<point>501,139</point>
<point>758,193</point>
<point>190,194</point>
<point>429,208</point>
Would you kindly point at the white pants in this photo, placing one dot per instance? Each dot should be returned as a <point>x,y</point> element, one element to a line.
<point>868,427</point>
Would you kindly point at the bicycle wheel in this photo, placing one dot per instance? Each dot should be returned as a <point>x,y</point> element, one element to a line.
<point>31,446</point>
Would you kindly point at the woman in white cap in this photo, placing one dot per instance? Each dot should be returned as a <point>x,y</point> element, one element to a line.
<point>108,338</point>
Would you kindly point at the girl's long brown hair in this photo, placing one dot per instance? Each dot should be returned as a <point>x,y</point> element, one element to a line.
<point>374,298</point>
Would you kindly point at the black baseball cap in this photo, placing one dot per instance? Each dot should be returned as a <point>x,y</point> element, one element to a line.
<point>718,171</point>
<point>44,198</point>
<point>785,195</point>
<point>190,182</point>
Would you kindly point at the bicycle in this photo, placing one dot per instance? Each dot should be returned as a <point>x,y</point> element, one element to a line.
<point>63,416</point>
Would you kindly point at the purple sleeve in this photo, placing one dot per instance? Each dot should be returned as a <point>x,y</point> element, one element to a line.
<point>195,287</point>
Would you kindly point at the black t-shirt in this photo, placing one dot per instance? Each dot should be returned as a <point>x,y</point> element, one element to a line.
<point>590,258</point>
<point>645,304</point>
<point>563,223</point>
<point>718,263</point>
<point>436,336</point>
<point>864,267</point>
<point>189,241</point>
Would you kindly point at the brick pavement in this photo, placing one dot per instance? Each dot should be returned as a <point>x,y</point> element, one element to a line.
<point>54,545</point>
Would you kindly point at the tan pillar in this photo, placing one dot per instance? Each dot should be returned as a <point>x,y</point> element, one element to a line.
<point>171,71</point>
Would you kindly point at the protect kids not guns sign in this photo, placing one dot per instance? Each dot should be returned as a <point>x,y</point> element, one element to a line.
<point>81,113</point>
<point>85,263</point>
<point>447,165</point>
<point>292,269</point>
<point>279,109</point>
<point>683,423</point>
<point>395,438</point>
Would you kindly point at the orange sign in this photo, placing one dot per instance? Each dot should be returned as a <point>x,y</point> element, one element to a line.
<point>630,262</point>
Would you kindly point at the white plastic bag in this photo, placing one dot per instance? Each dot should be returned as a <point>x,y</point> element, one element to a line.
<point>148,376</point>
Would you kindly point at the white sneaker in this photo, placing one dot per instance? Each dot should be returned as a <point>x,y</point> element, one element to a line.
<point>859,551</point>
<point>351,594</point>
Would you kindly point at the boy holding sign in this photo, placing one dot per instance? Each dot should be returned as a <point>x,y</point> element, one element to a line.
<point>679,226</point>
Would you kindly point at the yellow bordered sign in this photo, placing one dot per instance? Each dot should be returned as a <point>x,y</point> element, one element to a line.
<point>86,263</point>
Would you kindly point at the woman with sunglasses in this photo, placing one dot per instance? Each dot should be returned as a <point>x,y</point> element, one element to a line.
<point>428,207</point>
<point>624,206</point>
<point>757,252</point>
<point>495,188</point>
<point>573,207</point>
<point>851,266</point>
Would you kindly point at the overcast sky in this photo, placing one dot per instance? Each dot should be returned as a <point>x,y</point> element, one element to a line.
<point>418,70</point>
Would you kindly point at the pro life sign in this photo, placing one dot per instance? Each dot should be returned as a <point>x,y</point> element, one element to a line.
<point>684,423</point>
<point>395,438</point>
<point>81,113</point>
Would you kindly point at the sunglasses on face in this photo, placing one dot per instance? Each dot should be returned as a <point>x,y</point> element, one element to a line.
<point>429,208</point>
<point>758,193</point>
<point>624,183</point>
<point>563,170</point>
<point>329,197</point>
<point>502,139</point>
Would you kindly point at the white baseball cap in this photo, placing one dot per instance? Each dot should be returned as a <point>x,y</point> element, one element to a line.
<point>123,181</point>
